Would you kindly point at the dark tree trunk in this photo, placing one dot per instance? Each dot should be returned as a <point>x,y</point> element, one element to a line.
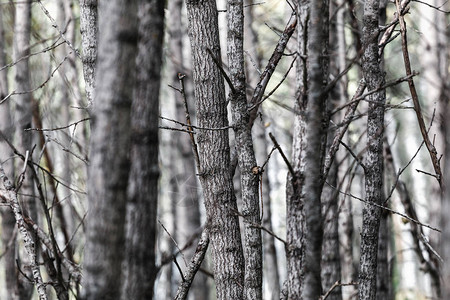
<point>374,162</point>
<point>110,144</point>
<point>139,264</point>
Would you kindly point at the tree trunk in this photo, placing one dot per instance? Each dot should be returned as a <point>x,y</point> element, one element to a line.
<point>109,160</point>
<point>214,151</point>
<point>270,276</point>
<point>246,155</point>
<point>316,141</point>
<point>374,162</point>
<point>8,221</point>
<point>295,218</point>
<point>89,37</point>
<point>139,264</point>
<point>22,29</point>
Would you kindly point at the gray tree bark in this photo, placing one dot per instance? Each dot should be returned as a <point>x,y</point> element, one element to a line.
<point>22,29</point>
<point>214,151</point>
<point>109,160</point>
<point>139,264</point>
<point>295,196</point>
<point>374,161</point>
<point>245,152</point>
<point>89,37</point>
<point>8,221</point>
<point>316,141</point>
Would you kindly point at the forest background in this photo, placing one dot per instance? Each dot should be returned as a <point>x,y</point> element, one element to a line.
<point>224,149</point>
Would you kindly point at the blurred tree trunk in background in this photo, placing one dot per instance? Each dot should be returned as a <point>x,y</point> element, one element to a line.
<point>8,221</point>
<point>109,159</point>
<point>186,196</point>
<point>22,31</point>
<point>139,264</point>
<point>253,66</point>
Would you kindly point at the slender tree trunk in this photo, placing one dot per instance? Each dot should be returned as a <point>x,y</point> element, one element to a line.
<point>89,28</point>
<point>246,155</point>
<point>315,139</point>
<point>270,276</point>
<point>139,271</point>
<point>22,29</point>
<point>331,264</point>
<point>8,221</point>
<point>295,219</point>
<point>214,151</point>
<point>109,160</point>
<point>374,162</point>
<point>186,199</point>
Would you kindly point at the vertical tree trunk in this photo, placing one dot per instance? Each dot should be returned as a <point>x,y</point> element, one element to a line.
<point>22,28</point>
<point>139,264</point>
<point>8,221</point>
<point>270,275</point>
<point>109,160</point>
<point>88,28</point>
<point>331,264</point>
<point>246,155</point>
<point>374,161</point>
<point>315,139</point>
<point>214,151</point>
<point>186,199</point>
<point>295,219</point>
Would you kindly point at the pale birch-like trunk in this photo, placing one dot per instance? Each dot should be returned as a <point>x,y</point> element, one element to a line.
<point>214,151</point>
<point>374,78</point>
<point>139,264</point>
<point>295,219</point>
<point>109,160</point>
<point>89,37</point>
<point>245,152</point>
<point>22,29</point>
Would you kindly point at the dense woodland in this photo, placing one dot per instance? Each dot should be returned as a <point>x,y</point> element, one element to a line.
<point>229,149</point>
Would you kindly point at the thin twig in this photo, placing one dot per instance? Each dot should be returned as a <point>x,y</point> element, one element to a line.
<point>387,209</point>
<point>288,164</point>
<point>188,121</point>
<point>224,74</point>
<point>431,149</point>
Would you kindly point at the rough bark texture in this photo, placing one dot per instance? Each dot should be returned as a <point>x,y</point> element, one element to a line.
<point>88,28</point>
<point>8,221</point>
<point>246,155</point>
<point>374,161</point>
<point>214,151</point>
<point>315,139</point>
<point>139,263</point>
<point>294,187</point>
<point>271,275</point>
<point>109,161</point>
<point>383,272</point>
